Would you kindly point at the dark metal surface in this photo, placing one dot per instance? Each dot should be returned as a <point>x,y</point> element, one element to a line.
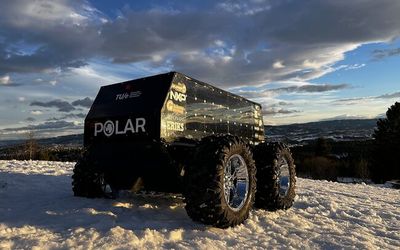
<point>140,98</point>
<point>170,106</point>
<point>204,110</point>
<point>131,126</point>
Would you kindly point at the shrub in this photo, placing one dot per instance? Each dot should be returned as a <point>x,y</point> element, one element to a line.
<point>321,167</point>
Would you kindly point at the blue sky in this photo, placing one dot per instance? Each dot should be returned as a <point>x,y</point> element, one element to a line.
<point>302,60</point>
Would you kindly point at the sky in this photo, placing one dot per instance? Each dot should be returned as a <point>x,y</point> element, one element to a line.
<point>303,61</point>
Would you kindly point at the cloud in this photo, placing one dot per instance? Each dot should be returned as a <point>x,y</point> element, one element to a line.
<point>61,105</point>
<point>64,106</point>
<point>278,65</point>
<point>36,112</point>
<point>379,54</point>
<point>229,43</point>
<point>30,119</point>
<point>299,36</point>
<point>44,35</point>
<point>78,115</point>
<point>278,111</point>
<point>389,96</point>
<point>49,126</point>
<point>355,66</point>
<point>85,102</point>
<point>357,100</point>
<point>305,88</point>
<point>321,87</point>
<point>5,79</point>
<point>283,103</point>
<point>45,129</point>
<point>347,117</point>
<point>67,116</point>
<point>242,8</point>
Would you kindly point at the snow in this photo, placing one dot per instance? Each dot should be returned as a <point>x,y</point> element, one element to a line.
<point>38,211</point>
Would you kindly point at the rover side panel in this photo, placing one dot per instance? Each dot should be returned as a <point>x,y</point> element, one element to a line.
<point>194,109</point>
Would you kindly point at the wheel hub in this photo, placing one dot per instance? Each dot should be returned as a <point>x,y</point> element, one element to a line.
<point>236,182</point>
<point>283,176</point>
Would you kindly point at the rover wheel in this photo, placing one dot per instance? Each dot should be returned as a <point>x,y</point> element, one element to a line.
<point>276,176</point>
<point>220,184</point>
<point>87,181</point>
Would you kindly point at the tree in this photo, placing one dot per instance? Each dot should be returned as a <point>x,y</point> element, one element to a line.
<point>31,145</point>
<point>361,169</point>
<point>386,149</point>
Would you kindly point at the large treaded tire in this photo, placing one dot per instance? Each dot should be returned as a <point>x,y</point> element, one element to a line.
<point>87,180</point>
<point>204,182</point>
<point>268,195</point>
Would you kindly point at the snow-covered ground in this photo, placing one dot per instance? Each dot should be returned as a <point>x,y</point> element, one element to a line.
<point>38,210</point>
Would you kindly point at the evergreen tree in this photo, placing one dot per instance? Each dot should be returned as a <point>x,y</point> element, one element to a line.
<point>322,147</point>
<point>386,150</point>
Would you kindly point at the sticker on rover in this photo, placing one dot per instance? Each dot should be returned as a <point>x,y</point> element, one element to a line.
<point>110,128</point>
<point>171,106</point>
<point>180,87</point>
<point>128,95</point>
<point>176,96</point>
<point>175,126</point>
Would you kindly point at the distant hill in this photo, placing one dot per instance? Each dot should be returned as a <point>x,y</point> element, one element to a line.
<point>67,140</point>
<point>338,130</point>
